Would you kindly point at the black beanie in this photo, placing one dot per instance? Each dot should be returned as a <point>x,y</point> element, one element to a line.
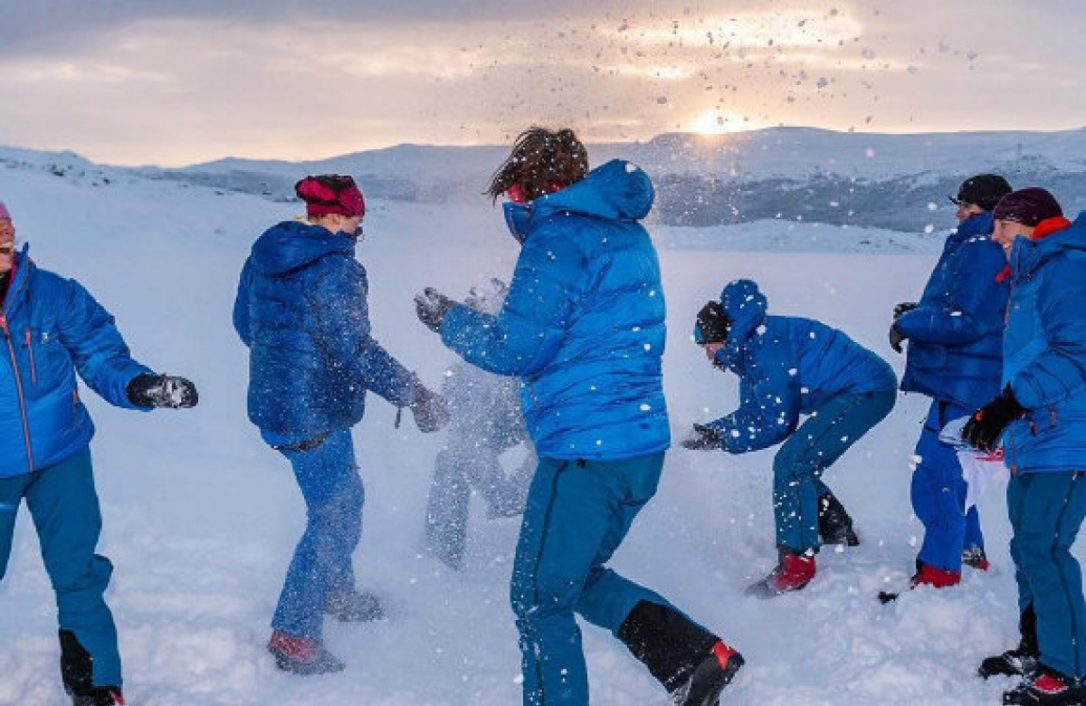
<point>984,190</point>
<point>1027,206</point>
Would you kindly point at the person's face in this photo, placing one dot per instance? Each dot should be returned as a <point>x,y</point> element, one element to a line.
<point>967,210</point>
<point>7,245</point>
<point>711,349</point>
<point>1004,233</point>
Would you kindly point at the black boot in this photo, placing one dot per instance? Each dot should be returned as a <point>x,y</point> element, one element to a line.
<point>77,670</point>
<point>692,663</point>
<point>1021,660</point>
<point>834,524</point>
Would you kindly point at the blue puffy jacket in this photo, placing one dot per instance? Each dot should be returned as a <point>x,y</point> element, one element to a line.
<point>956,331</point>
<point>1045,352</point>
<point>52,327</point>
<point>583,323</point>
<point>787,366</point>
<point>301,309</point>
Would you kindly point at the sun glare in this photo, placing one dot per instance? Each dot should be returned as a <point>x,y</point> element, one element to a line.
<point>714,122</point>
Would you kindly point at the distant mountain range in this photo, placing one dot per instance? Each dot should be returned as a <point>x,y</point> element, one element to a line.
<point>897,182</point>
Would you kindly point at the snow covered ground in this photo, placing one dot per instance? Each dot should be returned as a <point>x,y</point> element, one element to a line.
<point>201,517</point>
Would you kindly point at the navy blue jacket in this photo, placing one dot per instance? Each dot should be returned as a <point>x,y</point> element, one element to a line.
<point>956,331</point>
<point>583,323</point>
<point>787,366</point>
<point>51,327</point>
<point>301,309</point>
<point>1045,352</point>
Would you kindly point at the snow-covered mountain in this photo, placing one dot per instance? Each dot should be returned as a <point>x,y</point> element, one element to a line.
<point>897,182</point>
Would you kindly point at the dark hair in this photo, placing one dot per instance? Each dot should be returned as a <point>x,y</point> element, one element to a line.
<point>540,161</point>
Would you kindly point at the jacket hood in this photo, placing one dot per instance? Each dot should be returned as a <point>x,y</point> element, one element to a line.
<point>290,245</point>
<point>1027,255</point>
<point>746,306</point>
<point>977,224</point>
<point>618,190</point>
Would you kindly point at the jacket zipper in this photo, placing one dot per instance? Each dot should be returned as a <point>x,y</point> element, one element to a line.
<point>33,366</point>
<point>19,390</point>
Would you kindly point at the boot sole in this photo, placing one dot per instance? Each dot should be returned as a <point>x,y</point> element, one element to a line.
<point>711,697</point>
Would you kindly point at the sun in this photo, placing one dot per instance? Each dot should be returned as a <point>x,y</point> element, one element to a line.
<point>714,122</point>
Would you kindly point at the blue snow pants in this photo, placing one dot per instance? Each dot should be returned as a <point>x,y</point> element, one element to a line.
<point>64,507</point>
<point>797,468</point>
<point>576,516</point>
<point>321,568</point>
<point>938,494</point>
<point>1046,511</point>
<point>459,468</point>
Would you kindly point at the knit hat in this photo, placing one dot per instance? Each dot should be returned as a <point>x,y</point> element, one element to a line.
<point>712,324</point>
<point>1027,206</point>
<point>984,190</point>
<point>330,193</point>
<point>4,213</point>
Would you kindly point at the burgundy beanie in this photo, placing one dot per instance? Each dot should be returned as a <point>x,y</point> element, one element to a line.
<point>1027,206</point>
<point>331,193</point>
<point>4,213</point>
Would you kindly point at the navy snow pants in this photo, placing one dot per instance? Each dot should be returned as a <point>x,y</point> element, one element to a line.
<point>64,507</point>
<point>1046,511</point>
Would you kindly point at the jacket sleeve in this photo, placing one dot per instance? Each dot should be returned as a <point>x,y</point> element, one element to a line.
<point>95,345</point>
<point>768,412</point>
<point>1059,372</point>
<point>342,329</point>
<point>974,300</point>
<point>527,333</point>
<point>241,304</point>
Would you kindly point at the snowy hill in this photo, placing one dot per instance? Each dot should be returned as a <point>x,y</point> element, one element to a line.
<point>886,181</point>
<point>201,517</point>
<point>896,182</point>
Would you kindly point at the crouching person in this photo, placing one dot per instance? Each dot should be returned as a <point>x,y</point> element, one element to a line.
<point>1041,417</point>
<point>51,329</point>
<point>301,309</point>
<point>789,366</point>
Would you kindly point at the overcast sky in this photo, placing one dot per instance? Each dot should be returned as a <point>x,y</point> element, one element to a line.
<point>183,81</point>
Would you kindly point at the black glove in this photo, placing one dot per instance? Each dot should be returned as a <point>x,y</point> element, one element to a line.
<point>431,306</point>
<point>704,439</point>
<point>984,428</point>
<point>711,325</point>
<point>161,391</point>
<point>902,308</point>
<point>896,338</point>
<point>430,410</point>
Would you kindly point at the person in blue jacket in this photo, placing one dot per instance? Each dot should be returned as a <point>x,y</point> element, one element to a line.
<point>50,329</point>
<point>787,367</point>
<point>485,422</point>
<point>1040,416</point>
<point>301,310</point>
<point>955,335</point>
<point>583,327</point>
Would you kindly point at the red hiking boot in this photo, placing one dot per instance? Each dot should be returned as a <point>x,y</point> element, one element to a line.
<point>926,575</point>
<point>304,656</point>
<point>1047,688</point>
<point>793,572</point>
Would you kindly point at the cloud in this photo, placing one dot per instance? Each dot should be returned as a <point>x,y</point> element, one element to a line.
<point>181,82</point>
